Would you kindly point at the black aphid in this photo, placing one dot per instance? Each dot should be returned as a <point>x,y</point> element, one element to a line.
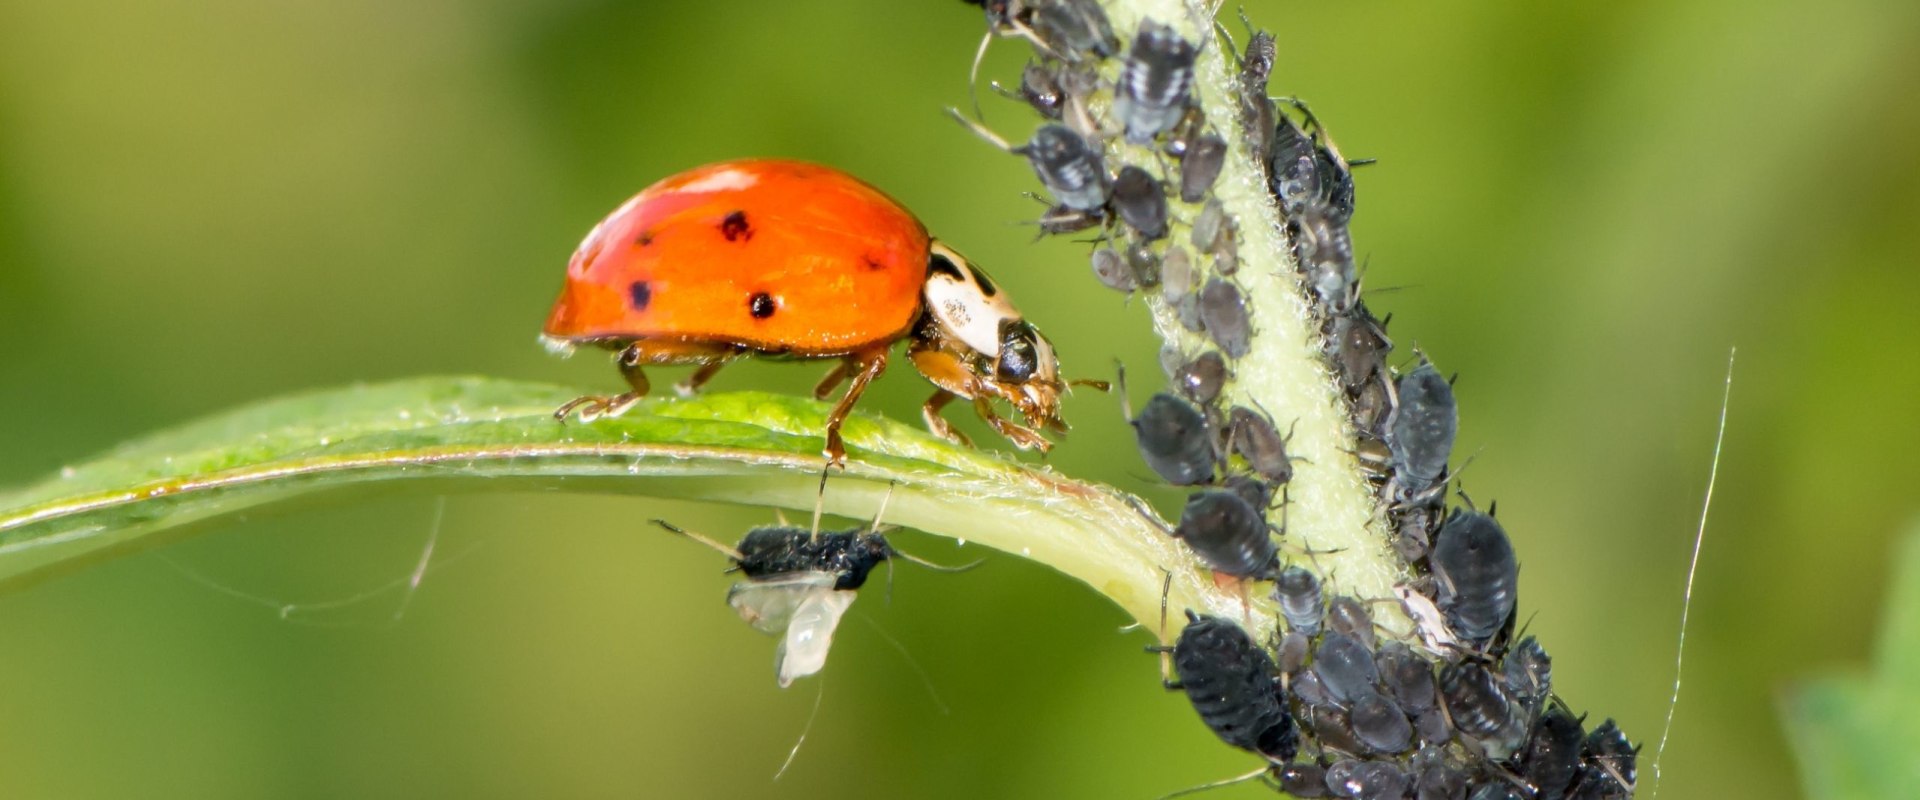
<point>1174,438</point>
<point>1232,683</point>
<point>1256,109</point>
<point>1228,533</point>
<point>1256,492</point>
<point>1251,435</point>
<point>1292,652</point>
<point>1480,707</point>
<point>1144,262</point>
<point>1074,29</point>
<point>1360,347</point>
<point>1367,780</point>
<point>1380,723</point>
<point>1407,676</point>
<point>1292,172</point>
<point>1223,310</point>
<point>1070,168</point>
<point>1297,591</point>
<point>1345,667</point>
<point>1347,615</point>
<point>1141,202</point>
<point>1529,673</point>
<point>1435,779</point>
<point>1202,378</point>
<point>1607,767</point>
<point>1334,731</point>
<point>1302,779</point>
<point>779,549</point>
<point>1413,532</point>
<point>1311,692</point>
<point>1552,757</point>
<point>1324,248</point>
<point>1478,578</point>
<point>1421,429</point>
<point>1201,166</point>
<point>1156,83</point>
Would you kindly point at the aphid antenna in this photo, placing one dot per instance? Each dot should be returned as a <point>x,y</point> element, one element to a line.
<point>914,663</point>
<point>804,730</point>
<point>723,549</point>
<point>1217,784</point>
<point>980,130</point>
<point>1693,567</point>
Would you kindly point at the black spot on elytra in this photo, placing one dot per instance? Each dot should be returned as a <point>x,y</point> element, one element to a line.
<point>761,305</point>
<point>986,284</point>
<point>646,238</point>
<point>641,293</point>
<point>872,264</point>
<point>940,265</point>
<point>734,227</point>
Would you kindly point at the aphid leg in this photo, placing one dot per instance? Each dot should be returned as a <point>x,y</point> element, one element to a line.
<point>1165,650</point>
<point>723,549</point>
<point>979,130</point>
<point>973,74</point>
<point>819,501</point>
<point>866,365</point>
<point>1217,784</point>
<point>699,378</point>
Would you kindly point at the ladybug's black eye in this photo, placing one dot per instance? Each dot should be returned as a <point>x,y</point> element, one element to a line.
<point>1019,354</point>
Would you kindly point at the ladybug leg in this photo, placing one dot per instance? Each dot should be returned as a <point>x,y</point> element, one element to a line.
<point>1021,437</point>
<point>930,412</point>
<point>865,365</point>
<point>832,379</point>
<point>951,379</point>
<point>699,378</point>
<point>593,406</point>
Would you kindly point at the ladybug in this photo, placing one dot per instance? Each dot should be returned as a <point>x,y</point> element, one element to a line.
<point>799,261</point>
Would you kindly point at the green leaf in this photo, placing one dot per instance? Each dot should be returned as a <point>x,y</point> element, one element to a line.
<point>481,434</point>
<point>1858,736</point>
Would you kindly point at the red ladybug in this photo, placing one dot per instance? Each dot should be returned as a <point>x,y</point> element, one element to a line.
<point>799,261</point>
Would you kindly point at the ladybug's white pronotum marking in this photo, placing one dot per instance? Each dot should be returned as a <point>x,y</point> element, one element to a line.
<point>965,307</point>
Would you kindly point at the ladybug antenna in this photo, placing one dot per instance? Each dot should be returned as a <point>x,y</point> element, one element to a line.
<point>724,550</point>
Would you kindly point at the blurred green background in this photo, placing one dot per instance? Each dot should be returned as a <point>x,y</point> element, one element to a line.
<point>1585,206</point>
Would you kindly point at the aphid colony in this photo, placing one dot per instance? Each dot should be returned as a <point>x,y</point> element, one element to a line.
<point>1334,709</point>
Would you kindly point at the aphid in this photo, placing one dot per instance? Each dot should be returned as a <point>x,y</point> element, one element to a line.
<point>1070,169</point>
<point>1421,429</point>
<point>1335,173</point>
<point>1209,226</point>
<point>1529,673</point>
<point>1252,435</point>
<point>1407,676</point>
<point>1141,202</point>
<point>1113,270</point>
<point>1481,708</point>
<point>1345,614</point>
<point>1367,780</point>
<point>800,583</point>
<point>1553,753</point>
<point>1345,667</point>
<point>1334,731</point>
<point>1302,779</point>
<point>1176,275</point>
<point>1228,533</point>
<point>1202,378</point>
<point>1309,690</point>
<point>1412,535</point>
<point>1187,311</point>
<point>1607,764</point>
<point>1478,577</point>
<point>1251,489</point>
<point>1144,263</point>
<point>1434,779</point>
<point>972,344</point>
<point>1292,174</point>
<point>1074,29</point>
<point>1292,652</point>
<point>1360,347</point>
<point>1380,724</point>
<point>1371,408</point>
<point>1432,727</point>
<point>1156,83</point>
<point>1256,109</point>
<point>1297,592</point>
<point>1200,167</point>
<point>1224,313</point>
<point>794,259</point>
<point>1324,248</point>
<point>1040,87</point>
<point>1173,437</point>
<point>1232,683</point>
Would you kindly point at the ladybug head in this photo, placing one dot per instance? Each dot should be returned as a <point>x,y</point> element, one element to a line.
<point>1026,364</point>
